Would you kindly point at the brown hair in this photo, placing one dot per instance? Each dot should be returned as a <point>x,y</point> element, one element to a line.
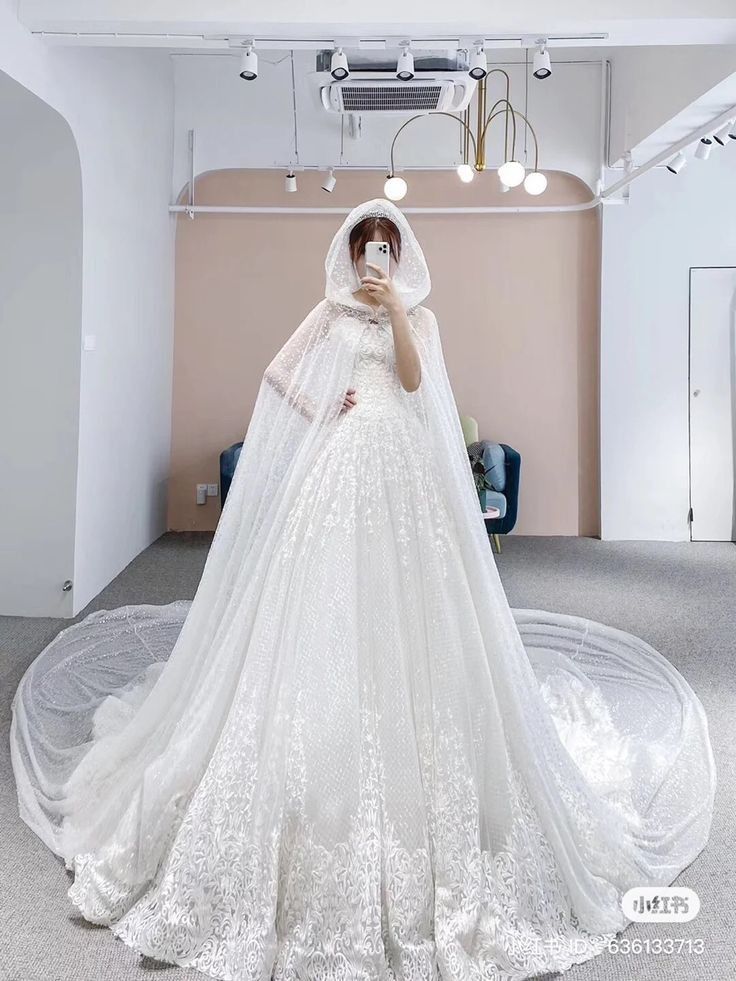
<point>365,231</point>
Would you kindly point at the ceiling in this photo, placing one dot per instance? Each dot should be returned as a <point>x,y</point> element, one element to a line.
<point>181,23</point>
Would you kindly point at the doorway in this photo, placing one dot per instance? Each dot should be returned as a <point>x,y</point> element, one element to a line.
<point>712,403</point>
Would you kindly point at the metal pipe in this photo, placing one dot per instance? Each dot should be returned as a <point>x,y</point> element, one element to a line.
<point>658,158</point>
<point>464,210</point>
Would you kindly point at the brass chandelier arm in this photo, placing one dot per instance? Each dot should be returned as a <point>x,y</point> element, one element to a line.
<point>419,115</point>
<point>481,140</point>
<point>515,113</point>
<point>509,110</point>
<point>479,144</point>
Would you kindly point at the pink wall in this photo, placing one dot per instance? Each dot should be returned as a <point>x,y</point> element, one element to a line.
<point>516,296</point>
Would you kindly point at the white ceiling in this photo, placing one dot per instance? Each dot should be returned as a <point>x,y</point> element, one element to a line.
<point>566,22</point>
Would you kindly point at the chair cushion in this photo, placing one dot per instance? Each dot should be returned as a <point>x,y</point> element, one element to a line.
<point>494,460</point>
<point>496,500</point>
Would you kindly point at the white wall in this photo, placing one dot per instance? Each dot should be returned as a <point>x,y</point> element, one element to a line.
<point>649,245</point>
<point>119,106</point>
<point>40,323</point>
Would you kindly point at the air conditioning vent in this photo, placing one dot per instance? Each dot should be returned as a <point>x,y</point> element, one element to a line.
<point>363,95</point>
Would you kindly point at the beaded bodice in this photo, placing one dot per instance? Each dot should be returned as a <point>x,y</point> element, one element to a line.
<point>378,390</point>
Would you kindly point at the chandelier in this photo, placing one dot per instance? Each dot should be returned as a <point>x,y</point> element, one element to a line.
<point>511,173</point>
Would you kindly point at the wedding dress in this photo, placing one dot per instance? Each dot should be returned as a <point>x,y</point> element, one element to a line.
<point>347,757</point>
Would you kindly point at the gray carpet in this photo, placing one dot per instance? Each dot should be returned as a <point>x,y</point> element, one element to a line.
<point>680,597</point>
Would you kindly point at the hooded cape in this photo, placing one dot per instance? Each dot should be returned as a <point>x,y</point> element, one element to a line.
<point>114,723</point>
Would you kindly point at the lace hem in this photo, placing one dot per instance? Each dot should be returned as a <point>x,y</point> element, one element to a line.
<point>239,901</point>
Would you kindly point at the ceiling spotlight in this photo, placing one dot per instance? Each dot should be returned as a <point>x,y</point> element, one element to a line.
<point>395,188</point>
<point>249,64</point>
<point>535,182</point>
<point>542,64</point>
<point>405,64</point>
<point>732,130</point>
<point>702,150</point>
<point>511,173</point>
<point>721,135</point>
<point>339,65</point>
<point>290,182</point>
<point>329,182</point>
<point>677,163</point>
<point>466,173</point>
<point>478,63</point>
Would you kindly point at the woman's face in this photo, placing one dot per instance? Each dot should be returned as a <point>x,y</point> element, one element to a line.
<point>378,236</point>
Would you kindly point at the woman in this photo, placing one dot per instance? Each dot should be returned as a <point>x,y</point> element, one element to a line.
<point>347,757</point>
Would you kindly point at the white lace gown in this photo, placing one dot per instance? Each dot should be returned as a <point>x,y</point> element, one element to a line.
<point>345,826</point>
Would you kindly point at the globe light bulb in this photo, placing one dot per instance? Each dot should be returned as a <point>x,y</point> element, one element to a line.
<point>535,183</point>
<point>395,188</point>
<point>511,173</point>
<point>465,173</point>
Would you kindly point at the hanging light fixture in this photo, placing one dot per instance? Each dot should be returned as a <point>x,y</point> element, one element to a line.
<point>290,181</point>
<point>478,63</point>
<point>721,135</point>
<point>535,182</point>
<point>328,184</point>
<point>677,163</point>
<point>249,63</point>
<point>702,150</point>
<point>395,188</point>
<point>511,173</point>
<point>405,64</point>
<point>339,65</point>
<point>542,63</point>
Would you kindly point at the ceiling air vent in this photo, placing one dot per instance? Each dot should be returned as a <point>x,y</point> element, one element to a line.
<point>379,95</point>
<point>440,84</point>
<point>388,95</point>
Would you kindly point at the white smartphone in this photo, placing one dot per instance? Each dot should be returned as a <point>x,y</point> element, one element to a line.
<point>378,253</point>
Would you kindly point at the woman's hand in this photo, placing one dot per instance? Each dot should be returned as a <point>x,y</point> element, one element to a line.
<point>348,401</point>
<point>382,288</point>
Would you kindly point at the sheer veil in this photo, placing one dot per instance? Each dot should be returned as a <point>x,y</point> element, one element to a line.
<point>115,722</point>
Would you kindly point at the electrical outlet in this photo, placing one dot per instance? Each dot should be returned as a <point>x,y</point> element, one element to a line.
<point>211,490</point>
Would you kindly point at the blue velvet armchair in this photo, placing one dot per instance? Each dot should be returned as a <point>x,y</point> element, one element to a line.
<point>503,465</point>
<point>228,463</point>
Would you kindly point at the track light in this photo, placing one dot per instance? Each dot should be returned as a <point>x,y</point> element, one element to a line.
<point>478,63</point>
<point>290,181</point>
<point>466,173</point>
<point>677,163</point>
<point>542,64</point>
<point>395,188</point>
<point>249,64</point>
<point>405,64</point>
<point>702,150</point>
<point>511,173</point>
<point>535,182</point>
<point>329,182</point>
<point>721,135</point>
<point>339,65</point>
<point>732,131</point>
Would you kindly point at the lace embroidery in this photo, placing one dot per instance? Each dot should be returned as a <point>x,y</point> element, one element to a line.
<point>236,899</point>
